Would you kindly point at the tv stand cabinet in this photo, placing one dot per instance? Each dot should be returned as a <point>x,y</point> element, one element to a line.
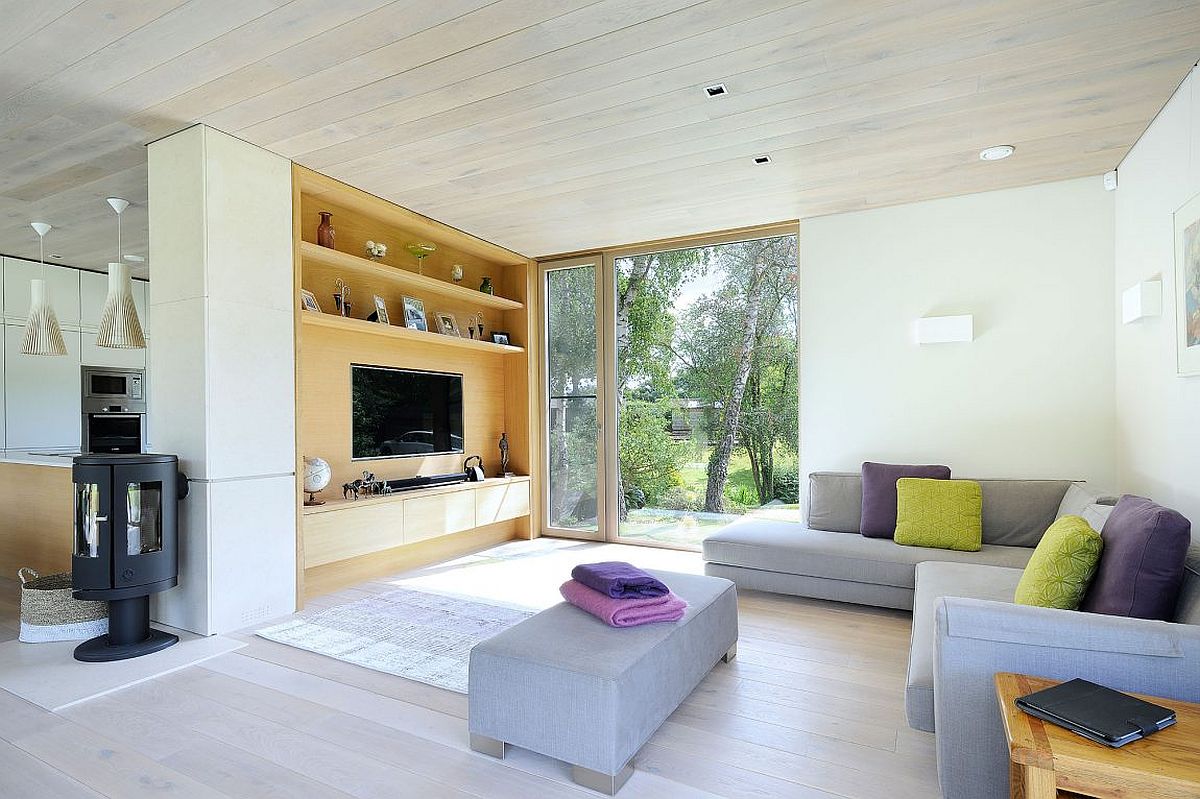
<point>348,528</point>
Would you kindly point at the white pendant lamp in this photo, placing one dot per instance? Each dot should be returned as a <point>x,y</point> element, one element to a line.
<point>43,336</point>
<point>119,324</point>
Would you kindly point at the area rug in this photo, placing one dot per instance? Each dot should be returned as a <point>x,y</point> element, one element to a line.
<point>417,635</point>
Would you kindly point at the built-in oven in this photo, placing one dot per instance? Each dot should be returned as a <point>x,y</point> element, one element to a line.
<point>114,410</point>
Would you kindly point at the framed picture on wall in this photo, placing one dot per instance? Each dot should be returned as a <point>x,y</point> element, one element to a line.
<point>414,314</point>
<point>1187,288</point>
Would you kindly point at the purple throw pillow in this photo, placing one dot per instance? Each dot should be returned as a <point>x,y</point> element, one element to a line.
<point>879,494</point>
<point>1141,566</point>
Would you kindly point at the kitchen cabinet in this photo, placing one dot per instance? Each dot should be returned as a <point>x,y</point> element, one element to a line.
<point>93,290</point>
<point>62,283</point>
<point>42,402</point>
<point>95,355</point>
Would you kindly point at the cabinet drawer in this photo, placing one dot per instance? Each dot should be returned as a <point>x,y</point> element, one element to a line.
<point>429,517</point>
<point>348,532</point>
<point>502,502</point>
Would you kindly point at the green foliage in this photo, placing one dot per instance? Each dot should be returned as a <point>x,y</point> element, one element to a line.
<point>650,458</point>
<point>787,486</point>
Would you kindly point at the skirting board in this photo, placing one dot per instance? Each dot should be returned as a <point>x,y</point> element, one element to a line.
<point>48,676</point>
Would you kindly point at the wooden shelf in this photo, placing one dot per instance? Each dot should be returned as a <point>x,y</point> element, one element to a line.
<point>313,319</point>
<point>397,276</point>
<point>396,496</point>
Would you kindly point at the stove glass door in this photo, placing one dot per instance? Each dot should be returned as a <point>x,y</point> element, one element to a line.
<point>143,517</point>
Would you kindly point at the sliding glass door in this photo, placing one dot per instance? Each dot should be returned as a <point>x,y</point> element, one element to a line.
<point>671,378</point>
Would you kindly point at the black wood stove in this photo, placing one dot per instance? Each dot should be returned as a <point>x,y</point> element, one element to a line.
<point>126,546</point>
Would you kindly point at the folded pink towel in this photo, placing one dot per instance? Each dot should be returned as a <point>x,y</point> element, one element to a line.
<point>623,612</point>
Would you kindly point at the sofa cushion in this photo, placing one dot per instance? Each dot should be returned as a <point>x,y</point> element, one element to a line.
<point>1062,566</point>
<point>935,580</point>
<point>1079,496</point>
<point>879,494</point>
<point>1017,512</point>
<point>1187,609</point>
<point>791,548</point>
<point>944,514</point>
<point>835,501</point>
<point>1145,546</point>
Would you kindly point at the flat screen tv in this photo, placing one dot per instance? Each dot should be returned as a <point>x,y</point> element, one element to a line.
<point>400,413</point>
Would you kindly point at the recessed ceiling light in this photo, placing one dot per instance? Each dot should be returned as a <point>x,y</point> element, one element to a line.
<point>997,153</point>
<point>716,90</point>
<point>762,159</point>
<point>134,259</point>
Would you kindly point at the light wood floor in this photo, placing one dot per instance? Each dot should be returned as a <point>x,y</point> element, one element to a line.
<point>813,706</point>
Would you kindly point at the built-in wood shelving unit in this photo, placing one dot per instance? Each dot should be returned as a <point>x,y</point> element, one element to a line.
<point>354,266</point>
<point>418,337</point>
<point>344,542</point>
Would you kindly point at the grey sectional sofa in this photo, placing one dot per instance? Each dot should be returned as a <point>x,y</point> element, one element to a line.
<point>965,625</point>
<point>828,559</point>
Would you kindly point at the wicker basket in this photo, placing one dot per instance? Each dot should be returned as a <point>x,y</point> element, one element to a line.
<point>50,613</point>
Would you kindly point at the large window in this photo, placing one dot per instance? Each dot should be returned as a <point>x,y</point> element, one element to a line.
<point>671,377</point>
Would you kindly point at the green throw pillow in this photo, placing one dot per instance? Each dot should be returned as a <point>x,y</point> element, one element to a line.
<point>1062,565</point>
<point>943,514</point>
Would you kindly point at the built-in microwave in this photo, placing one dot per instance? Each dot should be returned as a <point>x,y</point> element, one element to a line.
<point>109,386</point>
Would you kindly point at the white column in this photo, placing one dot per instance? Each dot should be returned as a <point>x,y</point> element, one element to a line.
<point>222,373</point>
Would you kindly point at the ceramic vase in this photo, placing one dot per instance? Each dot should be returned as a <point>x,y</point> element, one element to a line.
<point>325,230</point>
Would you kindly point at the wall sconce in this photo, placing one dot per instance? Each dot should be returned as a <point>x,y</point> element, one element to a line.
<point>1141,300</point>
<point>945,329</point>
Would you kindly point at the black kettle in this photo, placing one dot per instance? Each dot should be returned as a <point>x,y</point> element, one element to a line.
<point>474,473</point>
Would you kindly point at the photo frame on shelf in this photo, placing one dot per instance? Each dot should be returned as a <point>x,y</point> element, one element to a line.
<point>414,315</point>
<point>308,301</point>
<point>381,312</point>
<point>1187,288</point>
<point>499,337</point>
<point>448,325</point>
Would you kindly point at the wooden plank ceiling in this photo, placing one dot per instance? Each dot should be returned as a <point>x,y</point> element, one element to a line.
<point>557,125</point>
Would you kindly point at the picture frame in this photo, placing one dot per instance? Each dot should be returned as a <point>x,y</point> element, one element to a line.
<point>381,312</point>
<point>414,315</point>
<point>1187,288</point>
<point>500,337</point>
<point>447,324</point>
<point>308,301</point>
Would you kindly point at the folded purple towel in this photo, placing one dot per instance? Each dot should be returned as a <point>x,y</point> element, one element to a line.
<point>619,580</point>
<point>623,612</point>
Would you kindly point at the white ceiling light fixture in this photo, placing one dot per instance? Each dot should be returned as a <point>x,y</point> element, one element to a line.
<point>762,159</point>
<point>119,324</point>
<point>43,335</point>
<point>716,90</point>
<point>997,153</point>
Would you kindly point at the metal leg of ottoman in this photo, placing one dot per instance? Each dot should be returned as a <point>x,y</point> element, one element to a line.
<point>488,746</point>
<point>731,654</point>
<point>599,781</point>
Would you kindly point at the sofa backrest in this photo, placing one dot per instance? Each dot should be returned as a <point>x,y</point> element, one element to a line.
<point>1015,512</point>
<point>1187,611</point>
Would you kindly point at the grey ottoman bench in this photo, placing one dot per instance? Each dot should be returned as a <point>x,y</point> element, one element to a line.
<point>563,683</point>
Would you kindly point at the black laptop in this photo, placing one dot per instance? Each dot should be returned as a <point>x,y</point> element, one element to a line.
<point>1097,713</point>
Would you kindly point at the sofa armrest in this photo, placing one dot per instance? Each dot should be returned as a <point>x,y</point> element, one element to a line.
<point>976,638</point>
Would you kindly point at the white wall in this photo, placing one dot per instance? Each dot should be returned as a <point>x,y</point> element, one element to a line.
<point>222,373</point>
<point>1158,413</point>
<point>1032,396</point>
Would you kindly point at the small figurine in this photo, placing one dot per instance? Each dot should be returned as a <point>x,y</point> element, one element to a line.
<point>504,472</point>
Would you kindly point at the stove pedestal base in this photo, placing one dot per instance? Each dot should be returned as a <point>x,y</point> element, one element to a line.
<point>129,634</point>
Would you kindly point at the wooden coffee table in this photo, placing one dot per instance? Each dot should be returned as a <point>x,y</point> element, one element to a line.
<point>1048,761</point>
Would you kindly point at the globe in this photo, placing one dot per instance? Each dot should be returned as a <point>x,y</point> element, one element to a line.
<point>317,475</point>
